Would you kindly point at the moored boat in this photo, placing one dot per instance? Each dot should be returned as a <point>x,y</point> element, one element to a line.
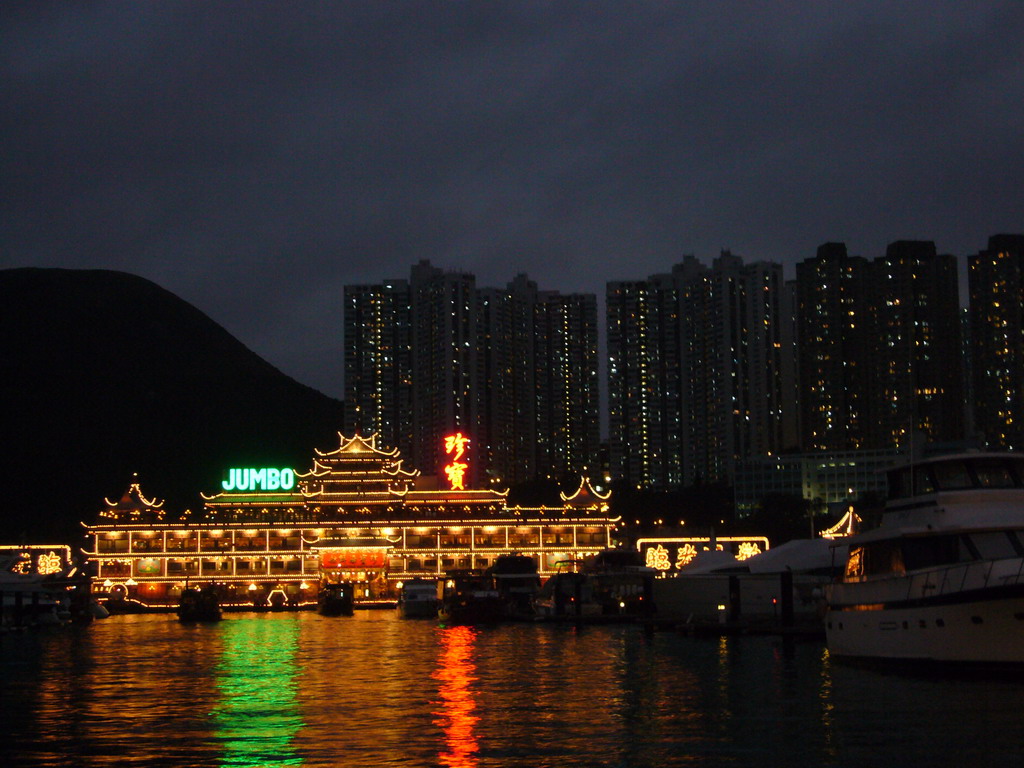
<point>335,599</point>
<point>199,604</point>
<point>468,597</point>
<point>942,578</point>
<point>567,595</point>
<point>622,584</point>
<point>418,599</point>
<point>35,606</point>
<point>517,583</point>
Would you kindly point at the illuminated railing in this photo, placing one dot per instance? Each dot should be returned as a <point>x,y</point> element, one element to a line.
<point>937,582</point>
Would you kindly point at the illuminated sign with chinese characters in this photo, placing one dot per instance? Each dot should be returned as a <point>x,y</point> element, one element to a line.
<point>455,446</point>
<point>263,479</point>
<point>667,555</point>
<point>42,559</point>
<point>353,558</point>
<point>49,563</point>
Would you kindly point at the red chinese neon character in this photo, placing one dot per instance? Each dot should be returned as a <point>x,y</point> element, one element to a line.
<point>456,443</point>
<point>456,471</point>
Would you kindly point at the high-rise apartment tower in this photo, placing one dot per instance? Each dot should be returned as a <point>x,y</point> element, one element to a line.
<point>695,371</point>
<point>996,285</point>
<point>514,370</point>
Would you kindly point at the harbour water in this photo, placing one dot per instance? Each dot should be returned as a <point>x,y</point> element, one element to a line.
<point>299,689</point>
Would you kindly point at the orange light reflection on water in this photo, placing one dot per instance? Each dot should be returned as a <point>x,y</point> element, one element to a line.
<point>455,673</point>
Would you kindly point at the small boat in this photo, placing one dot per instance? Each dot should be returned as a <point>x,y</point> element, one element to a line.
<point>469,597</point>
<point>335,599</point>
<point>622,584</point>
<point>418,599</point>
<point>517,582</point>
<point>199,604</point>
<point>567,595</point>
<point>95,610</point>
<point>942,578</point>
<point>34,606</point>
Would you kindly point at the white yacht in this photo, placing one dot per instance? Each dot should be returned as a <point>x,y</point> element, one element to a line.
<point>942,578</point>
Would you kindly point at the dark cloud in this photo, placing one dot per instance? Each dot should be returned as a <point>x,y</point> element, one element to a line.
<point>254,158</point>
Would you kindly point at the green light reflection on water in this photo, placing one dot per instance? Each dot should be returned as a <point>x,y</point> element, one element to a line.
<point>258,714</point>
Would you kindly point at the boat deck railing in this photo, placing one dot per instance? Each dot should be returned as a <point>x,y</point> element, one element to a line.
<point>937,582</point>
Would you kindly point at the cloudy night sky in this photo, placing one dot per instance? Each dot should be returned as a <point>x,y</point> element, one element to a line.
<point>254,158</point>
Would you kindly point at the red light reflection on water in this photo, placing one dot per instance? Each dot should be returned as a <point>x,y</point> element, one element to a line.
<point>455,672</point>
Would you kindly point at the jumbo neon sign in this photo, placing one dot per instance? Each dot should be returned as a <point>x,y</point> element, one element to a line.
<point>263,479</point>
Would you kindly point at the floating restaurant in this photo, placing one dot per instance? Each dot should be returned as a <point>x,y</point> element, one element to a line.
<point>270,537</point>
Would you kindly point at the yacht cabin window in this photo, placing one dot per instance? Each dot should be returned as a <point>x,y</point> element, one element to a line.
<point>993,473</point>
<point>900,485</point>
<point>879,558</point>
<point>930,551</point>
<point>995,545</point>
<point>951,475</point>
<point>910,481</point>
<point>956,475</point>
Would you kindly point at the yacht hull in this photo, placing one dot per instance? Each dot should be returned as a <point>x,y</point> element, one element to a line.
<point>982,628</point>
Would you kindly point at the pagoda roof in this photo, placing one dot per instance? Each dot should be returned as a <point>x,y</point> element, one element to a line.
<point>585,495</point>
<point>357,444</point>
<point>357,459</point>
<point>445,496</point>
<point>133,498</point>
<point>399,472</point>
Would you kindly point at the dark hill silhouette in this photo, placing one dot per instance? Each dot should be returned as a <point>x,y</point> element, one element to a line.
<point>104,374</point>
